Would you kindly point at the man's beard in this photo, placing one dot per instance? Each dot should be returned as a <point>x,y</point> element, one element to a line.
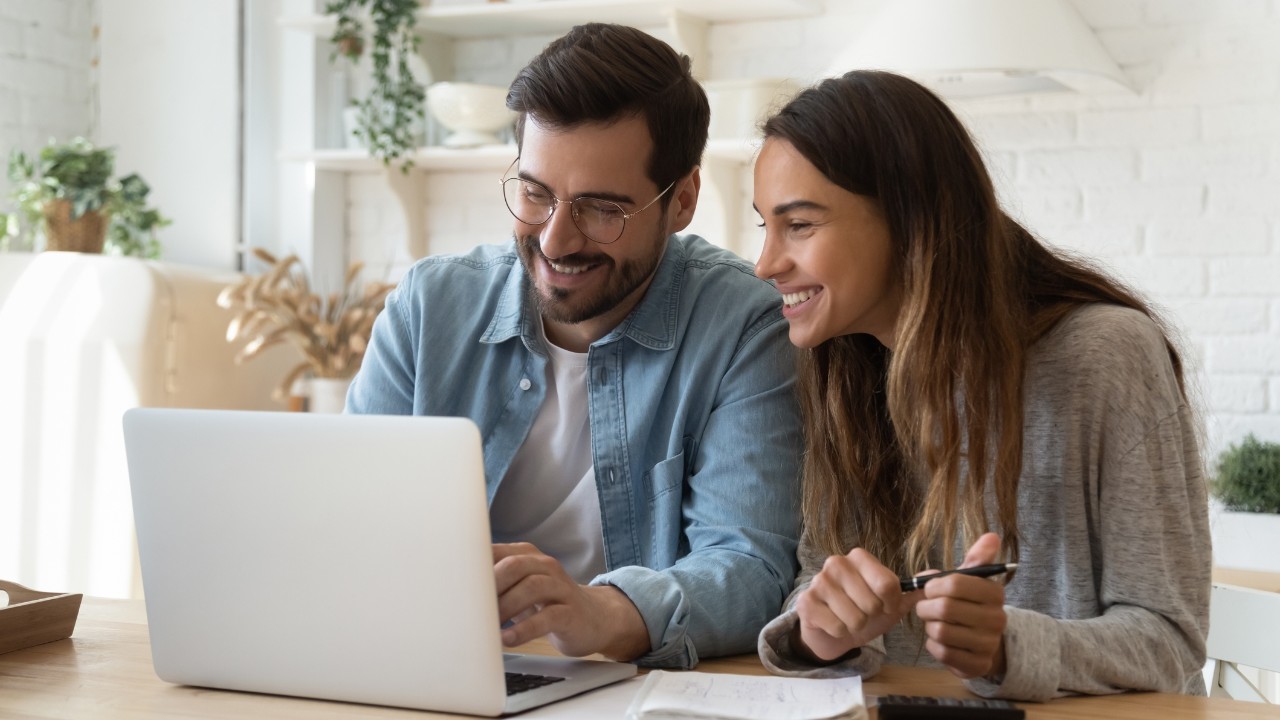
<point>575,306</point>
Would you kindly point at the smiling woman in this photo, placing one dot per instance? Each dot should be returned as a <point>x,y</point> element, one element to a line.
<point>833,258</point>
<point>969,395</point>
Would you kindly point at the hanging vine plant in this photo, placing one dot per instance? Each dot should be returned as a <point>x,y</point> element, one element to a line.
<point>394,107</point>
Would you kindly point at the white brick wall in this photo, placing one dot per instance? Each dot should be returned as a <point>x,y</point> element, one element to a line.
<point>46,53</point>
<point>1176,187</point>
<point>1205,200</point>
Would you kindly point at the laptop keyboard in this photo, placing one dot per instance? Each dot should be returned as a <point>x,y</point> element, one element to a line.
<point>519,682</point>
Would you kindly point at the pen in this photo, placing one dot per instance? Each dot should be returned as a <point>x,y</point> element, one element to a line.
<point>917,582</point>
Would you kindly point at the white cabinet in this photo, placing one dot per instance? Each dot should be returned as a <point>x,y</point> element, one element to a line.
<point>687,23</point>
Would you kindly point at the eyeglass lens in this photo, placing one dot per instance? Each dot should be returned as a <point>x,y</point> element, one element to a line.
<point>532,204</point>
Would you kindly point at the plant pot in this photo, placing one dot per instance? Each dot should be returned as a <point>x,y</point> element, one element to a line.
<point>328,395</point>
<point>1245,541</point>
<point>85,234</point>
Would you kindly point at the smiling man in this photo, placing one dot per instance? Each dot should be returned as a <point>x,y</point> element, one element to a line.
<point>633,386</point>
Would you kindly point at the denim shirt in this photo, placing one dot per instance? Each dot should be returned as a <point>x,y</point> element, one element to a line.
<point>695,428</point>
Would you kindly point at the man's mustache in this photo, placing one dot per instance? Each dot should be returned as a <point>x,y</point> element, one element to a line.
<point>577,259</point>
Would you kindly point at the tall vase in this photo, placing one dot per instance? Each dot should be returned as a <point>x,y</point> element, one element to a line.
<point>328,395</point>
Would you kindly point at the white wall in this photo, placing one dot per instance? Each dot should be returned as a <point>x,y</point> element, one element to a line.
<point>1176,186</point>
<point>169,98</point>
<point>158,80</point>
<point>46,51</point>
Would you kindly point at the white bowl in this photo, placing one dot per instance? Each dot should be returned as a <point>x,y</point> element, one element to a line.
<point>474,113</point>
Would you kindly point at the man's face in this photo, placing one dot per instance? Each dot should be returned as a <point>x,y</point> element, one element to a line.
<point>585,288</point>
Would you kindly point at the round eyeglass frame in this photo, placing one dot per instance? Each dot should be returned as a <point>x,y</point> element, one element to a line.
<point>573,213</point>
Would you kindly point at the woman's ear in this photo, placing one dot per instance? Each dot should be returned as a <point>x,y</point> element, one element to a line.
<point>684,201</point>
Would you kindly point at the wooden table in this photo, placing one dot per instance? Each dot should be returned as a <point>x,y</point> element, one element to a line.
<point>103,672</point>
<point>1256,579</point>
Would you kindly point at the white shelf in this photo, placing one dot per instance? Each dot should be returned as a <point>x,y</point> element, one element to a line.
<point>687,21</point>
<point>495,157</point>
<point>741,150</point>
<point>488,157</point>
<point>476,20</point>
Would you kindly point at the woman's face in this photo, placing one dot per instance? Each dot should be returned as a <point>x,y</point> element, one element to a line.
<point>827,250</point>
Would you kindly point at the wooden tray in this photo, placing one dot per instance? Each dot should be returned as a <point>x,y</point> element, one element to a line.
<point>33,617</point>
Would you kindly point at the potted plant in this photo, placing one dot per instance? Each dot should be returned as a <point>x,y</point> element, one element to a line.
<point>279,306</point>
<point>1246,532</point>
<point>389,117</point>
<point>68,195</point>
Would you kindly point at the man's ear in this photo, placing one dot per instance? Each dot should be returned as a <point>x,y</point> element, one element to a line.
<point>684,201</point>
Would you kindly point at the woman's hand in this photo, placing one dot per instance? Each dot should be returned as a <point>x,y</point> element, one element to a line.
<point>851,601</point>
<point>964,616</point>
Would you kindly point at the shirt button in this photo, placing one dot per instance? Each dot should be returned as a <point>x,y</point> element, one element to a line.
<point>525,384</point>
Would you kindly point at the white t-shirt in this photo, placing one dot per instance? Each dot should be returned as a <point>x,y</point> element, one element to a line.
<point>548,497</point>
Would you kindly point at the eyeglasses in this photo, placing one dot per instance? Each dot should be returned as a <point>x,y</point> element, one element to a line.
<point>602,221</point>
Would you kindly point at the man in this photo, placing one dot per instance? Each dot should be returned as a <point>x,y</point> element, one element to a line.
<point>633,388</point>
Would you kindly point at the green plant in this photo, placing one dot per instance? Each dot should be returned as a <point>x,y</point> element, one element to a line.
<point>1248,477</point>
<point>81,174</point>
<point>395,104</point>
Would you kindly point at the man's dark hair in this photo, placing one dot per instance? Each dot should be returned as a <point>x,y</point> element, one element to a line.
<point>601,73</point>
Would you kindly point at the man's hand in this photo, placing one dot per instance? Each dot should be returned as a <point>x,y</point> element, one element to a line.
<point>851,601</point>
<point>964,616</point>
<point>536,593</point>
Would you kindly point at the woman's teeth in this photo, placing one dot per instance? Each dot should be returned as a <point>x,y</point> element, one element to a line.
<point>795,298</point>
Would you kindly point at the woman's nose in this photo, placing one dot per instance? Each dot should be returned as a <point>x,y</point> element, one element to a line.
<point>769,264</point>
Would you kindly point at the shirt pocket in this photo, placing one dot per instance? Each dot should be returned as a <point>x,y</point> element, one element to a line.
<point>665,477</point>
<point>664,484</point>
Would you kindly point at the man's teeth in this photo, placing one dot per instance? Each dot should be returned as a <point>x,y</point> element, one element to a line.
<point>793,299</point>
<point>568,269</point>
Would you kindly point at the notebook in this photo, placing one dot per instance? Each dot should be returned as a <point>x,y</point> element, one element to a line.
<point>341,557</point>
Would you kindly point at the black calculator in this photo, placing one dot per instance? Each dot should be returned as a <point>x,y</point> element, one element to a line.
<point>915,707</point>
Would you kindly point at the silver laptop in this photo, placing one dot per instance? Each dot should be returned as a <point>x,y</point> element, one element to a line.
<point>341,557</point>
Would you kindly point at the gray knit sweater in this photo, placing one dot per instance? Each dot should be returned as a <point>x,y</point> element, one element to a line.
<point>1112,588</point>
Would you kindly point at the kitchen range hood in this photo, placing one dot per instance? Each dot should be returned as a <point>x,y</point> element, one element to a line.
<point>980,48</point>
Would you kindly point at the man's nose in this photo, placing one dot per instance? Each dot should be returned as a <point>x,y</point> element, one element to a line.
<point>560,236</point>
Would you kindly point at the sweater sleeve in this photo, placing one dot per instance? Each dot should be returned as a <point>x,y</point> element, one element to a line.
<point>1153,585</point>
<point>780,657</point>
<point>1114,590</point>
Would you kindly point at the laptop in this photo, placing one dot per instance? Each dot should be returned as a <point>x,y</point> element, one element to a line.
<point>340,557</point>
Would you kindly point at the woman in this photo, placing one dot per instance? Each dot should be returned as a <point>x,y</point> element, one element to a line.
<point>968,389</point>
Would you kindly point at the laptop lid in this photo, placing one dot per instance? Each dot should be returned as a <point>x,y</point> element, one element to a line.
<point>342,557</point>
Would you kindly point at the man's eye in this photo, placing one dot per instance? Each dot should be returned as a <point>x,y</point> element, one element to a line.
<point>599,210</point>
<point>536,195</point>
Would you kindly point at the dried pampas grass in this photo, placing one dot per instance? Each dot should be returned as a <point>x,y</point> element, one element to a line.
<point>278,306</point>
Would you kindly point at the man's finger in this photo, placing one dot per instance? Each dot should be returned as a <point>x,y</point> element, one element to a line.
<point>506,550</point>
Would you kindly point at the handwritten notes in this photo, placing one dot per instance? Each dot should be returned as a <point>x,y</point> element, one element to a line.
<point>684,695</point>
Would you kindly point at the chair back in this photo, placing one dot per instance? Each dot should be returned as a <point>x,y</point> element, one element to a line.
<point>1244,629</point>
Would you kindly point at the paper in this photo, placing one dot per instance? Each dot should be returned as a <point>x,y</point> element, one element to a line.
<point>746,697</point>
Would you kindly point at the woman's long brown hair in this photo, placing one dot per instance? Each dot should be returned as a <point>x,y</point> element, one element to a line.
<point>946,405</point>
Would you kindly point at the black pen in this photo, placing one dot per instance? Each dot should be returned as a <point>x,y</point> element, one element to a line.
<point>917,582</point>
